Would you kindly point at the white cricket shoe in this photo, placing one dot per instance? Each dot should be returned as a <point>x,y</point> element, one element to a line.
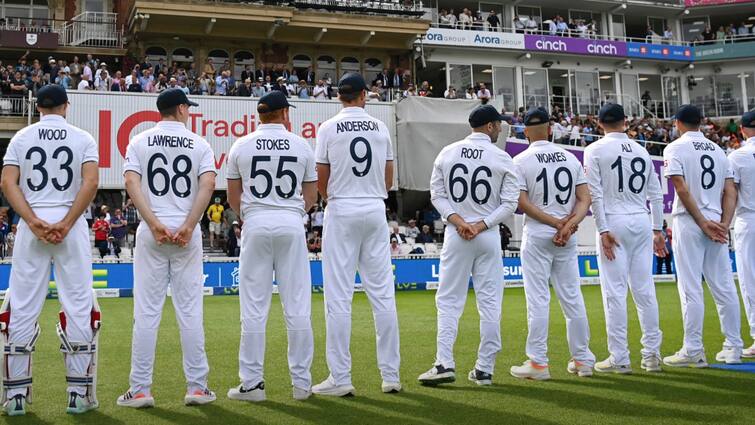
<point>254,394</point>
<point>391,387</point>
<point>578,368</point>
<point>651,363</point>
<point>199,397</point>
<point>437,375</point>
<point>328,387</point>
<point>729,356</point>
<point>136,400</point>
<point>302,393</point>
<point>683,360</point>
<point>608,366</point>
<point>480,378</point>
<point>531,370</point>
<point>749,353</point>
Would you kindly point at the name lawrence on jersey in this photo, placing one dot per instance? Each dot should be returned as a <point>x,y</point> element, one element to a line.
<point>169,141</point>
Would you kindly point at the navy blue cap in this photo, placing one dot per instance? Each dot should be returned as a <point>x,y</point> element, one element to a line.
<point>273,101</point>
<point>611,113</point>
<point>748,119</point>
<point>173,97</point>
<point>51,95</point>
<point>484,114</point>
<point>351,82</point>
<point>536,116</point>
<point>689,114</point>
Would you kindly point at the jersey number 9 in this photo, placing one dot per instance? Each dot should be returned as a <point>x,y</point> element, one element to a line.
<point>365,159</point>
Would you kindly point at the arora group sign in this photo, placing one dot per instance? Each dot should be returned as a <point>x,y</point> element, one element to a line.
<point>114,118</point>
<point>465,38</point>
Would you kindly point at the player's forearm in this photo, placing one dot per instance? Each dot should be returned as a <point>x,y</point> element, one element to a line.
<point>581,206</point>
<point>133,188</point>
<point>682,191</point>
<point>206,187</point>
<point>15,197</point>
<point>323,175</point>
<point>656,213</point>
<point>442,205</point>
<point>729,202</point>
<point>599,212</point>
<point>86,194</point>
<point>234,194</point>
<point>500,214</point>
<point>388,176</point>
<point>535,213</point>
<point>309,193</point>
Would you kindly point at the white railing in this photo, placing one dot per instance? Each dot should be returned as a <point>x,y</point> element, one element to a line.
<point>93,29</point>
<point>14,106</point>
<point>728,39</point>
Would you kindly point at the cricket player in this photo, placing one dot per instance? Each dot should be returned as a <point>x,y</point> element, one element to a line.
<point>170,176</point>
<point>49,177</point>
<point>474,188</point>
<point>271,183</point>
<point>622,179</point>
<point>355,171</point>
<point>703,209</point>
<point>554,198</point>
<point>743,166</point>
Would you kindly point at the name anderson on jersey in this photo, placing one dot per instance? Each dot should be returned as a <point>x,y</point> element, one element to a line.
<point>345,126</point>
<point>166,141</point>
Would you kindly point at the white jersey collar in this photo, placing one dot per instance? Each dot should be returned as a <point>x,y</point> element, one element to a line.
<point>616,135</point>
<point>351,110</point>
<point>170,124</point>
<point>750,141</point>
<point>478,137</point>
<point>52,118</point>
<point>271,126</point>
<point>694,134</point>
<point>539,143</point>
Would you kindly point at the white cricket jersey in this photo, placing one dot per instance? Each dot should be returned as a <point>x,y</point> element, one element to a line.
<point>170,159</point>
<point>704,166</point>
<point>742,163</point>
<point>356,146</point>
<point>550,176</point>
<point>272,164</point>
<point>476,180</point>
<point>49,155</point>
<point>622,179</point>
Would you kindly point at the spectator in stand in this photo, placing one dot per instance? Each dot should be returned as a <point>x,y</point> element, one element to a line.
<point>317,219</point>
<point>246,89</point>
<point>720,33</point>
<point>103,81</point>
<point>426,236</point>
<point>215,218</point>
<point>233,236</point>
<point>424,90</point>
<point>84,83</point>
<point>708,35</point>
<point>668,35</point>
<point>470,94</point>
<point>101,229</point>
<point>518,25</point>
<point>75,72</point>
<point>450,93</point>
<point>281,86</point>
<point>221,84</point>
<point>209,68</point>
<point>320,91</point>
<point>205,84</point>
<point>494,23</point>
<point>553,26</point>
<point>465,19</point>
<point>147,81</point>
<point>117,82</point>
<point>396,233</point>
<point>258,90</point>
<point>247,73</point>
<point>395,248</point>
<point>444,20</point>
<point>563,28</point>
<point>452,18</point>
<point>483,93</point>
<point>314,244</point>
<point>574,130</point>
<point>86,71</point>
<point>505,236</point>
<point>132,83</point>
<point>118,230</point>
<point>412,231</point>
<point>161,83</point>
<point>63,79</point>
<point>383,77</point>
<point>302,91</point>
<point>557,131</point>
<point>743,31</point>
<point>132,218</point>
<point>410,91</point>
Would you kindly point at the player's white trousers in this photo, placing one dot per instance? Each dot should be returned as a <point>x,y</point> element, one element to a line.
<point>480,258</point>
<point>697,256</point>
<point>744,233</point>
<point>631,269</point>
<point>356,236</point>
<point>541,261</point>
<point>273,246</point>
<point>28,284</point>
<point>155,268</point>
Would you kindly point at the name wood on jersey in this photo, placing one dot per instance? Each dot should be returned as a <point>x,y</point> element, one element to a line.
<point>166,141</point>
<point>52,133</point>
<point>547,158</point>
<point>273,144</point>
<point>345,126</point>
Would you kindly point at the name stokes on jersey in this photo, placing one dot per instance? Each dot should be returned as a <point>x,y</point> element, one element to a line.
<point>273,144</point>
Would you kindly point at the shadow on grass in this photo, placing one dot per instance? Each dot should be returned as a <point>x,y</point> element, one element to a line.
<point>212,414</point>
<point>548,394</point>
<point>29,418</point>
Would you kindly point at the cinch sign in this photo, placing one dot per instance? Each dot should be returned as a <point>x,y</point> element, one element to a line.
<point>579,46</point>
<point>114,118</point>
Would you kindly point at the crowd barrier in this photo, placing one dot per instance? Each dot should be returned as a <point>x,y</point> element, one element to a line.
<point>222,277</point>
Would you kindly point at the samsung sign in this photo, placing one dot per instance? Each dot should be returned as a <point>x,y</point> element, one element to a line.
<point>450,37</point>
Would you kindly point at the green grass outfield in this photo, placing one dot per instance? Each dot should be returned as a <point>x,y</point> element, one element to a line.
<point>675,396</point>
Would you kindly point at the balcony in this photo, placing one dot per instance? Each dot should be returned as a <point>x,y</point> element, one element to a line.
<point>89,29</point>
